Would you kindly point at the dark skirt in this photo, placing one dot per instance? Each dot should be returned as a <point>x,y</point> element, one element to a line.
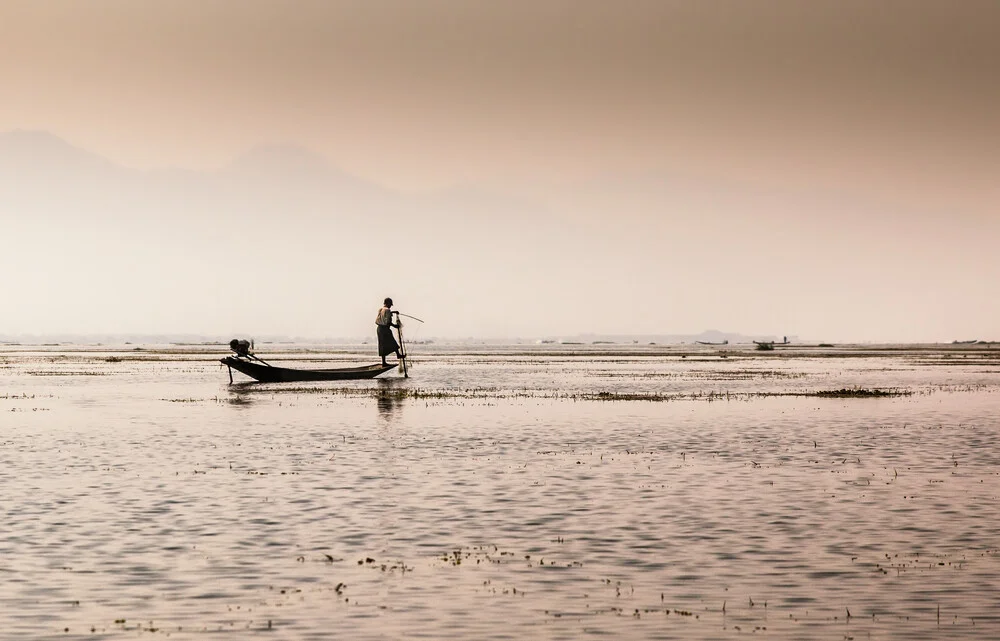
<point>386,341</point>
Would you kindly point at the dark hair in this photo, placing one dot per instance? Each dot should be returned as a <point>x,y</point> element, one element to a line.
<point>387,302</point>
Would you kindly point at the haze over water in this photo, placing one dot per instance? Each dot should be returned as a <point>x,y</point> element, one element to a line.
<point>824,169</point>
<point>543,492</point>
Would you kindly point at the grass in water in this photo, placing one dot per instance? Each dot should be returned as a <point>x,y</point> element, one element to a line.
<point>861,392</point>
<point>401,393</point>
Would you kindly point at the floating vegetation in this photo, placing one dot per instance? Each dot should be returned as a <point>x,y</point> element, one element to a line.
<point>711,374</point>
<point>742,374</point>
<point>64,373</point>
<point>397,393</point>
<point>488,393</point>
<point>860,392</point>
<point>737,396</point>
<point>626,396</point>
<point>369,562</point>
<point>855,392</point>
<point>493,555</point>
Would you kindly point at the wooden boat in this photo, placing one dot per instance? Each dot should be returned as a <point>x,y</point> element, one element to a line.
<point>271,374</point>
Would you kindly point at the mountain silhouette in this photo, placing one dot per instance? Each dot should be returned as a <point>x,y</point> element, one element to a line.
<point>286,203</point>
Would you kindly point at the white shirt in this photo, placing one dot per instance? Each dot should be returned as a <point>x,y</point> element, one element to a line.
<point>384,316</point>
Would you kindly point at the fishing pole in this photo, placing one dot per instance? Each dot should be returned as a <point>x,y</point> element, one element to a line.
<point>258,358</point>
<point>399,331</point>
<point>402,350</point>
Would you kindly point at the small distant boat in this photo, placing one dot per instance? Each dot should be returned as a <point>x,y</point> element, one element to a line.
<point>972,342</point>
<point>271,374</point>
<point>725,342</point>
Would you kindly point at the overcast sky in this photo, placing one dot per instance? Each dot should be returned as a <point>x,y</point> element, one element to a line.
<point>823,168</point>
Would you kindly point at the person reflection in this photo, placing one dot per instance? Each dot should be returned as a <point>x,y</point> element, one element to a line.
<point>240,394</point>
<point>387,400</point>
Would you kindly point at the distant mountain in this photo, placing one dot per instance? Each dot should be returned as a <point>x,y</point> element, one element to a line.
<point>38,156</point>
<point>43,174</point>
<point>36,149</point>
<point>282,160</point>
<point>278,241</point>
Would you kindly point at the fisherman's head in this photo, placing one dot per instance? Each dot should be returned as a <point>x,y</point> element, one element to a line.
<point>387,302</point>
<point>241,347</point>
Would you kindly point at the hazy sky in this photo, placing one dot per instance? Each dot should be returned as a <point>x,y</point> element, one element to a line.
<point>823,168</point>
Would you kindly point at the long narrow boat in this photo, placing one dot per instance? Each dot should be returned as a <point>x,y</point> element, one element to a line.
<point>272,374</point>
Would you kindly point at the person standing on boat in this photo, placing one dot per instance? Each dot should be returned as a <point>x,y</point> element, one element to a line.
<point>383,324</point>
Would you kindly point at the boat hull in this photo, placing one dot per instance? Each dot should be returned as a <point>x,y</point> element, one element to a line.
<point>271,374</point>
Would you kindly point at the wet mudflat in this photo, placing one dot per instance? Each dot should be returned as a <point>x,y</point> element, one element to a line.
<point>549,492</point>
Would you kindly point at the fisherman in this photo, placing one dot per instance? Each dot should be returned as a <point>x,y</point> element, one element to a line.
<point>241,347</point>
<point>386,341</point>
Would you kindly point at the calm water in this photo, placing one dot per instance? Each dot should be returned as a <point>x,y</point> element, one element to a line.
<point>496,494</point>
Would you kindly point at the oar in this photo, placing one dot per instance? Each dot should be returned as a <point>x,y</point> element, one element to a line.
<point>257,358</point>
<point>408,316</point>
<point>402,351</point>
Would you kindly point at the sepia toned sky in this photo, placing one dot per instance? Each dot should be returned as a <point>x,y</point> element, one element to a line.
<point>829,169</point>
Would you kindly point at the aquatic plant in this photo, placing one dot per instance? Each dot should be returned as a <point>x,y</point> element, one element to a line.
<point>860,392</point>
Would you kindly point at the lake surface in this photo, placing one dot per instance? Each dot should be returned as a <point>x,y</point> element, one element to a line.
<point>502,492</point>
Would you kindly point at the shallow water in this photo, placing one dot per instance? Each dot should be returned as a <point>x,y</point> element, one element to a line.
<point>497,494</point>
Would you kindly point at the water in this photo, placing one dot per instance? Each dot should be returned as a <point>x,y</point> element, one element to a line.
<point>501,492</point>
